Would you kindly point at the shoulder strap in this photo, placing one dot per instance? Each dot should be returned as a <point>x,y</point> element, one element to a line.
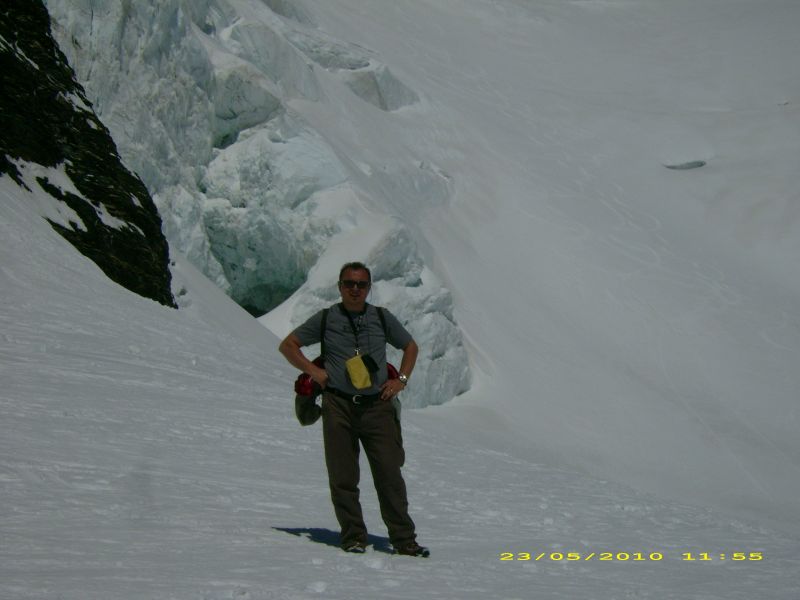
<point>323,325</point>
<point>383,322</point>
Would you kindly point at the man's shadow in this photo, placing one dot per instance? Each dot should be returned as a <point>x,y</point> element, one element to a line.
<point>327,537</point>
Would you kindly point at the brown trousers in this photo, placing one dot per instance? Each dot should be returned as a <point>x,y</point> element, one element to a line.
<point>344,424</point>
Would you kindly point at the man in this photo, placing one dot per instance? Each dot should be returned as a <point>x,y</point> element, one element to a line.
<point>356,411</point>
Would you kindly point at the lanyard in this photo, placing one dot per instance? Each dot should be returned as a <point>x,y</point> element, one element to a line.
<point>353,324</point>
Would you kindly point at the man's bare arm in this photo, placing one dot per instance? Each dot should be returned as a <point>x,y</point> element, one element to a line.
<point>409,359</point>
<point>392,387</point>
<point>290,348</point>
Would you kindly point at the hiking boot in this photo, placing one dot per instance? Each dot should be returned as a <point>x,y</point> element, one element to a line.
<point>355,547</point>
<point>413,549</point>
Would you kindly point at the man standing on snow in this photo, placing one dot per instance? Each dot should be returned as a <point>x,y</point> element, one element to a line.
<point>357,407</point>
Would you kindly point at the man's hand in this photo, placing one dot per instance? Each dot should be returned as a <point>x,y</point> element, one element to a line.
<point>391,388</point>
<point>320,376</point>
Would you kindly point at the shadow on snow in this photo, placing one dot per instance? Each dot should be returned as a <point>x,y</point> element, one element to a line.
<point>331,538</point>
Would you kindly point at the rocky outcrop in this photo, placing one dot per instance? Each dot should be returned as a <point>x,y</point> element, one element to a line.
<point>47,121</point>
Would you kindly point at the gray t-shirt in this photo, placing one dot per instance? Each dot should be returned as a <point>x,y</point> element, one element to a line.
<point>341,344</point>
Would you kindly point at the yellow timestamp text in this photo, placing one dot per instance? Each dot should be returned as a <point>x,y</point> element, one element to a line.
<point>631,556</point>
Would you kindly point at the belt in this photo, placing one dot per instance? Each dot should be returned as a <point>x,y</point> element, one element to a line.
<point>359,399</point>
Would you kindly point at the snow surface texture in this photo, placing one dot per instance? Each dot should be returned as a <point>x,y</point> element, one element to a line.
<point>634,321</point>
<point>197,95</point>
<point>148,453</point>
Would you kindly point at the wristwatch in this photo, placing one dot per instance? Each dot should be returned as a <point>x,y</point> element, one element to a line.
<point>403,378</point>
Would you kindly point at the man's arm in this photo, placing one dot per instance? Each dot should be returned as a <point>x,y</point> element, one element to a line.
<point>392,387</point>
<point>409,359</point>
<point>290,348</point>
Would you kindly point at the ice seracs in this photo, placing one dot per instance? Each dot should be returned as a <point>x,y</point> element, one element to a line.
<point>199,98</point>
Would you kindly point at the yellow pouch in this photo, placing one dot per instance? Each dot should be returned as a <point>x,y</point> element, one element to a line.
<point>358,373</point>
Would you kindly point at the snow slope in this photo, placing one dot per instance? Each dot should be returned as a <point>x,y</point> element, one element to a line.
<point>148,453</point>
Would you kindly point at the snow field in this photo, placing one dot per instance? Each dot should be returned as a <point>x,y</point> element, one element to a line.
<point>152,453</point>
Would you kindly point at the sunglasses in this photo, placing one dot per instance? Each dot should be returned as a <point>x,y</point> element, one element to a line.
<point>351,283</point>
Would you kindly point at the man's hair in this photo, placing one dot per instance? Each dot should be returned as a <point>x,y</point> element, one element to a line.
<point>355,266</point>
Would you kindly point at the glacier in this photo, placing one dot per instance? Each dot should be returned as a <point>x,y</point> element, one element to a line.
<point>203,101</point>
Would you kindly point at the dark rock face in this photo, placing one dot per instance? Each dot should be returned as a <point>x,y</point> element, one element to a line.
<point>46,119</point>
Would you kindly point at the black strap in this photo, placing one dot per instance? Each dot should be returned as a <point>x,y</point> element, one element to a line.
<point>383,323</point>
<point>353,324</point>
<point>322,327</point>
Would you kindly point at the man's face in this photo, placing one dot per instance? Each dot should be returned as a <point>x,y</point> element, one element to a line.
<point>354,288</point>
